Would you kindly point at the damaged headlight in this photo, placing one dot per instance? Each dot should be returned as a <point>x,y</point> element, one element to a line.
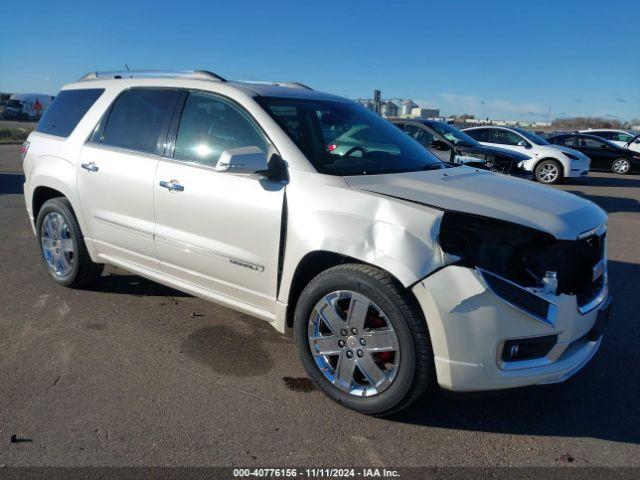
<point>497,246</point>
<point>521,254</point>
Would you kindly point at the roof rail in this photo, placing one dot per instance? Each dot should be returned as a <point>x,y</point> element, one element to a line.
<point>279,84</point>
<point>195,74</point>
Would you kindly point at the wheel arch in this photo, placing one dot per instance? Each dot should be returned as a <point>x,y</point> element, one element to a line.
<point>40,195</point>
<point>51,176</point>
<point>46,187</point>
<point>311,265</point>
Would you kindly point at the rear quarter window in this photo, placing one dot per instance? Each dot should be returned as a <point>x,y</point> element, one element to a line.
<point>480,134</point>
<point>137,118</point>
<point>66,111</point>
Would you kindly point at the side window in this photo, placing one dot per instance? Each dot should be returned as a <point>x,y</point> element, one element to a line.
<point>568,141</point>
<point>137,118</point>
<point>211,125</point>
<point>505,137</point>
<point>590,143</point>
<point>605,135</point>
<point>422,136</point>
<point>66,111</point>
<point>480,134</point>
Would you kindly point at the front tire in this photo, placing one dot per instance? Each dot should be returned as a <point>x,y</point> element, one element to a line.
<point>363,339</point>
<point>548,172</point>
<point>621,166</point>
<point>62,245</point>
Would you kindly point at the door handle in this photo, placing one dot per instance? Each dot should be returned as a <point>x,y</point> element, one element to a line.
<point>91,167</point>
<point>172,185</point>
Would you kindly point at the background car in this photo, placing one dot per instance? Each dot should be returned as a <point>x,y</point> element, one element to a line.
<point>28,106</point>
<point>452,145</point>
<point>603,153</point>
<point>622,138</point>
<point>549,163</point>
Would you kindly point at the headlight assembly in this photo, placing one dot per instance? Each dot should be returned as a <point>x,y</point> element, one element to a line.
<point>520,254</point>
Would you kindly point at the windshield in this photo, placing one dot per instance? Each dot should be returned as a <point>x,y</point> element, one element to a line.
<point>453,134</point>
<point>14,104</point>
<point>344,138</point>
<point>532,137</point>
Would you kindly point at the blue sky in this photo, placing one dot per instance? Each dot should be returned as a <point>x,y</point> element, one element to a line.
<point>504,59</point>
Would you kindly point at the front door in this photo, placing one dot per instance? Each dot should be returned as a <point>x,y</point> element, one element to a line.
<point>218,231</point>
<point>600,154</point>
<point>504,138</point>
<point>115,181</point>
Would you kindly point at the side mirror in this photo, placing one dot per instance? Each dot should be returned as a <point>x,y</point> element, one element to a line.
<point>522,143</point>
<point>244,160</point>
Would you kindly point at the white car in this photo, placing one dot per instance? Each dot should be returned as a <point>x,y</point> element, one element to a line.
<point>621,138</point>
<point>549,163</point>
<point>393,270</point>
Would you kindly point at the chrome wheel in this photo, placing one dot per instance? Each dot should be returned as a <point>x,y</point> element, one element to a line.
<point>621,166</point>
<point>353,343</point>
<point>57,244</point>
<point>548,173</point>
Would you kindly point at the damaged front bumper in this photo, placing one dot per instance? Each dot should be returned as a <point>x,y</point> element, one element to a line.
<point>472,325</point>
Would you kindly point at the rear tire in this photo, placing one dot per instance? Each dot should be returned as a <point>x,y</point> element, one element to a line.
<point>548,172</point>
<point>621,166</point>
<point>391,313</point>
<point>62,245</point>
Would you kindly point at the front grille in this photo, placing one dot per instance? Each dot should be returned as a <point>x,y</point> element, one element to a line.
<point>573,261</point>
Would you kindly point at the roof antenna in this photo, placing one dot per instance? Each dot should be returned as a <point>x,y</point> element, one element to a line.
<point>128,69</point>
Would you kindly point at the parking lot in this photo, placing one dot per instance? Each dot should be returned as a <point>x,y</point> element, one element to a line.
<point>132,373</point>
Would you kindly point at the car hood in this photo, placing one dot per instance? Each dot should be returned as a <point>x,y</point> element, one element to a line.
<point>487,150</point>
<point>478,192</point>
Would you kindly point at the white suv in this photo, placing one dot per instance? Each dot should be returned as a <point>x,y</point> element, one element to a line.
<point>394,271</point>
<point>549,163</point>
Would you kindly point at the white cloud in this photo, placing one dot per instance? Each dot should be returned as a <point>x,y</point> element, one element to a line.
<point>494,108</point>
<point>425,103</point>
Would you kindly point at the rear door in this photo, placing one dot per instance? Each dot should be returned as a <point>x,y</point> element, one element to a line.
<point>218,231</point>
<point>118,165</point>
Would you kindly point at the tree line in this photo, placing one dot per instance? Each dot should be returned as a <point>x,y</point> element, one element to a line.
<point>578,123</point>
